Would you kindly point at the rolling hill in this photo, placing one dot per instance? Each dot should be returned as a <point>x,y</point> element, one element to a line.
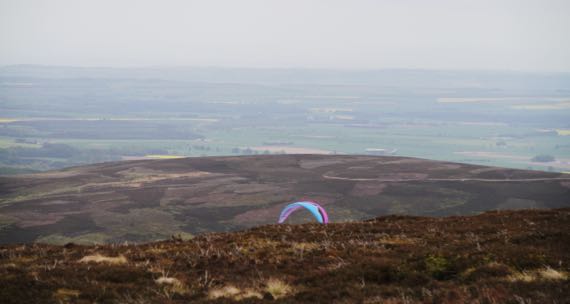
<point>148,200</point>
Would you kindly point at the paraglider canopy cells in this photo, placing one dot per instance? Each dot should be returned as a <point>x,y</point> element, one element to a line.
<point>318,212</point>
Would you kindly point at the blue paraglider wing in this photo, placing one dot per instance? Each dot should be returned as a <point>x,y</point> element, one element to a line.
<point>316,210</point>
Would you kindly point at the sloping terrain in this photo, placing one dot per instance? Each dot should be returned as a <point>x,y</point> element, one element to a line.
<point>153,199</point>
<point>496,257</point>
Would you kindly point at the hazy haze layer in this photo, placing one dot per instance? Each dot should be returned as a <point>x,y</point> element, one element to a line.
<point>441,34</point>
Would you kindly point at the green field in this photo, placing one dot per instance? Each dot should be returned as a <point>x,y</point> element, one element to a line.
<point>56,123</point>
<point>431,142</point>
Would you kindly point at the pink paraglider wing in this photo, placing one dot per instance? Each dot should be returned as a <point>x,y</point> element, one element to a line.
<point>322,211</point>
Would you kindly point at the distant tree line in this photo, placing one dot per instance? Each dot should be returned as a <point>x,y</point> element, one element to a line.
<point>58,155</point>
<point>543,158</point>
<point>249,151</point>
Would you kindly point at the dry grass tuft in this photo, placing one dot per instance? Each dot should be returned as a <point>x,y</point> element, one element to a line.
<point>224,292</point>
<point>304,246</point>
<point>278,288</point>
<point>156,250</point>
<point>545,274</point>
<point>98,258</point>
<point>172,284</point>
<point>233,293</point>
<point>522,276</point>
<point>247,294</point>
<point>64,294</point>
<point>549,273</point>
<point>396,240</point>
<point>167,281</point>
<point>9,265</point>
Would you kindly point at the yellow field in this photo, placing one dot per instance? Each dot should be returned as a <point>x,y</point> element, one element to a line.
<point>544,106</point>
<point>163,156</point>
<point>554,101</point>
<point>8,143</point>
<point>8,120</point>
<point>563,132</point>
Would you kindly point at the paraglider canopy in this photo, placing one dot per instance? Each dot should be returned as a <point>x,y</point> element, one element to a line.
<point>318,212</point>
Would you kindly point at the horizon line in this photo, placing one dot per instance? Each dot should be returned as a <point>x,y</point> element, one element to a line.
<point>283,68</point>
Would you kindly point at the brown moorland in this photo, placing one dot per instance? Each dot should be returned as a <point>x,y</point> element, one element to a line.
<point>495,257</point>
<point>149,200</point>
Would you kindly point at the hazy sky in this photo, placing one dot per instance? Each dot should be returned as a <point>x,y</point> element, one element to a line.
<point>433,34</point>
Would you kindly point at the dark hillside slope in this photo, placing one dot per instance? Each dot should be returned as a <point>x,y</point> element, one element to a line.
<point>152,199</point>
<point>495,257</point>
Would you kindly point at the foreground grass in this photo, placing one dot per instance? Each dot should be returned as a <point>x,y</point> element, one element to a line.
<point>498,257</point>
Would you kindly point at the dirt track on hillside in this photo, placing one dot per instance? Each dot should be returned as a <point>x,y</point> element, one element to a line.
<point>447,179</point>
